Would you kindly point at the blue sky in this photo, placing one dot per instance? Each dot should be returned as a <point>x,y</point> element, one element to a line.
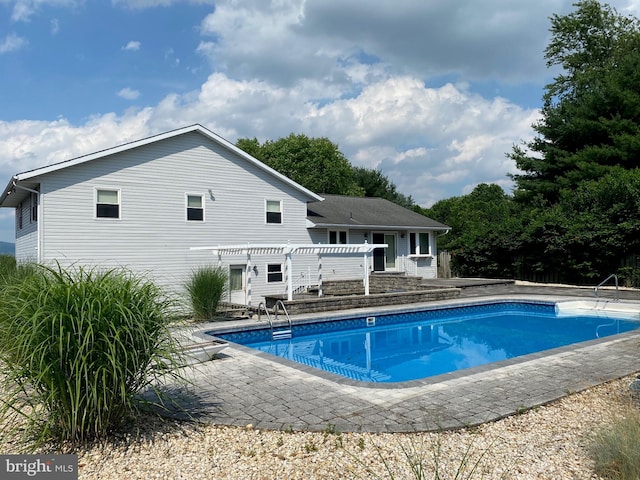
<point>433,93</point>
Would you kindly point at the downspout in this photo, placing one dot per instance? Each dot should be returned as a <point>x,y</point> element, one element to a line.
<point>38,237</point>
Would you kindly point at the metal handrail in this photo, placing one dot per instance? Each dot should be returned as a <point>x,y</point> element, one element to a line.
<point>615,277</point>
<point>284,310</point>
<point>262,306</point>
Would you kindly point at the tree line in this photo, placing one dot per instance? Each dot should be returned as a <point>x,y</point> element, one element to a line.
<point>574,214</point>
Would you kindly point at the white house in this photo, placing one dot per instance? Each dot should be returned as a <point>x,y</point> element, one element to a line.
<point>145,205</point>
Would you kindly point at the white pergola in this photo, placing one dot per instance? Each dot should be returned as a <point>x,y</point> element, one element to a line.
<point>289,250</point>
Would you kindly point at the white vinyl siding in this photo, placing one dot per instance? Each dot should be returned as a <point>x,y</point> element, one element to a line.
<point>150,236</point>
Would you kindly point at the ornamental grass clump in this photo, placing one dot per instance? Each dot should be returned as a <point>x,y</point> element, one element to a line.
<point>206,287</point>
<point>77,347</point>
<point>614,448</point>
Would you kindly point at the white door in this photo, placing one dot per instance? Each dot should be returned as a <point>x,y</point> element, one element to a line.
<point>238,284</point>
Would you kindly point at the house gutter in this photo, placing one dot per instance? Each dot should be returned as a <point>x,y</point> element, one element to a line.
<point>38,237</point>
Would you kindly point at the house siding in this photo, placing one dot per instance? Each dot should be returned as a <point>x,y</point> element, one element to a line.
<point>27,236</point>
<point>152,235</point>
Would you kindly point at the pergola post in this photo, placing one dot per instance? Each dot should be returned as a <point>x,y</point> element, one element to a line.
<point>289,276</point>
<point>248,274</point>
<point>366,272</point>
<point>319,274</point>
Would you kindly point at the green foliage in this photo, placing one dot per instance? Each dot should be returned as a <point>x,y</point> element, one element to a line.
<point>591,115</point>
<point>484,225</point>
<point>315,163</point>
<point>318,164</point>
<point>375,184</point>
<point>206,287</point>
<point>77,347</point>
<point>8,267</point>
<point>615,451</point>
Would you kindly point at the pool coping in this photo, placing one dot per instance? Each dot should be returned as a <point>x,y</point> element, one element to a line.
<point>247,386</point>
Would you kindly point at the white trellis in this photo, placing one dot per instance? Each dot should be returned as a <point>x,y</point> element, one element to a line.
<point>289,250</point>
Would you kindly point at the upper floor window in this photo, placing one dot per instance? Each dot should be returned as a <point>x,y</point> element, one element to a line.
<point>338,237</point>
<point>419,244</point>
<point>107,203</point>
<point>34,207</point>
<point>195,208</point>
<point>274,211</point>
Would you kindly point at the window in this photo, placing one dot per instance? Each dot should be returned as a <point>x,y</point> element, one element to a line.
<point>274,211</point>
<point>338,237</point>
<point>419,244</point>
<point>274,273</point>
<point>424,243</point>
<point>34,207</point>
<point>19,216</point>
<point>107,204</point>
<point>195,208</point>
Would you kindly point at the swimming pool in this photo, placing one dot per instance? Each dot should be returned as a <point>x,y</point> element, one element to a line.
<point>413,345</point>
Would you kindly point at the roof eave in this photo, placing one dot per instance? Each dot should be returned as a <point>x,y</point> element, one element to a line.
<point>154,138</point>
<point>378,227</point>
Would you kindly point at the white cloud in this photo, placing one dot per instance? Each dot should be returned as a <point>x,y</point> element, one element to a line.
<point>133,46</point>
<point>23,10</point>
<point>128,93</point>
<point>429,141</point>
<point>55,26</point>
<point>12,43</point>
<point>142,4</point>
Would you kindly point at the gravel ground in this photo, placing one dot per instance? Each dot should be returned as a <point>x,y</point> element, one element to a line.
<point>548,442</point>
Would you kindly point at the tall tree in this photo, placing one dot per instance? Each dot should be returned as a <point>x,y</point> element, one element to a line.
<point>591,113</point>
<point>315,163</point>
<point>376,184</point>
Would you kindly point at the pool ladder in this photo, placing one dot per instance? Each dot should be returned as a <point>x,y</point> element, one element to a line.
<point>617,294</point>
<point>280,334</point>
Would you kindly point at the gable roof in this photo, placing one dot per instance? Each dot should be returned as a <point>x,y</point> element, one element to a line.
<point>30,174</point>
<point>366,212</point>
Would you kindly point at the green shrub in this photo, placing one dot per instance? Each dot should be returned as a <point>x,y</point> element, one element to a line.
<point>615,448</point>
<point>7,265</point>
<point>206,286</point>
<point>77,347</point>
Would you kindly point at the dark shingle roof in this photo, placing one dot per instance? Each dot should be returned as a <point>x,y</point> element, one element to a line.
<point>339,210</point>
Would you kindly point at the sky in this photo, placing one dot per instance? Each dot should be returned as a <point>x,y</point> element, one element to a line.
<point>433,93</point>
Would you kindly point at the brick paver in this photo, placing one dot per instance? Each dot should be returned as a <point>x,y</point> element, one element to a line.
<point>245,387</point>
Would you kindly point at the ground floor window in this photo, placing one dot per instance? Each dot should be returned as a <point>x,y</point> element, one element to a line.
<point>419,244</point>
<point>338,237</point>
<point>274,273</point>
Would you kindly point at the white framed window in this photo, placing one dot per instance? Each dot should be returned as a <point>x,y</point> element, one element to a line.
<point>274,273</point>
<point>107,203</point>
<point>338,237</point>
<point>195,208</point>
<point>34,207</point>
<point>274,211</point>
<point>419,243</point>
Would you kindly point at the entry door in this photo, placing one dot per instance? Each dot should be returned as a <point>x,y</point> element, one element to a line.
<point>238,284</point>
<point>384,258</point>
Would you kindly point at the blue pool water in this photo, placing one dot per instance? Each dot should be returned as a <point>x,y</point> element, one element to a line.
<point>410,346</point>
